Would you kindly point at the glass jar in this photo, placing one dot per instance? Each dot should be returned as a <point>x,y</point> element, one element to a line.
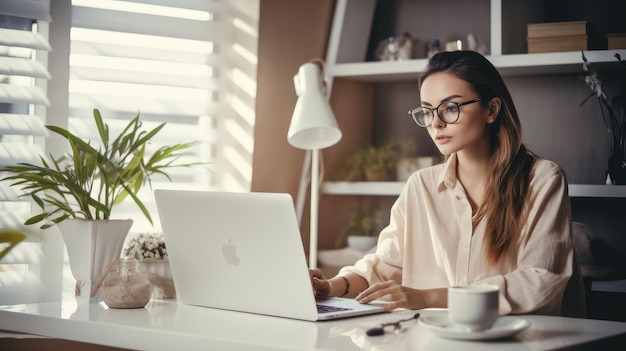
<point>125,286</point>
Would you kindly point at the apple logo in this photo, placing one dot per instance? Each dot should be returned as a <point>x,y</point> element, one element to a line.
<point>229,251</point>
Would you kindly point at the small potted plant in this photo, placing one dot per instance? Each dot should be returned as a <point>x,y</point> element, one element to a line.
<point>363,227</point>
<point>371,163</point>
<point>88,182</point>
<point>146,246</point>
<point>79,190</point>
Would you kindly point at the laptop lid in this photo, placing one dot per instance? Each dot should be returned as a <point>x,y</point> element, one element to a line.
<point>237,251</point>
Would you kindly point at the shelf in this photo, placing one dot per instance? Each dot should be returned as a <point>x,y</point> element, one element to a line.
<point>394,189</point>
<point>508,65</point>
<point>542,85</point>
<point>599,190</point>
<point>362,188</point>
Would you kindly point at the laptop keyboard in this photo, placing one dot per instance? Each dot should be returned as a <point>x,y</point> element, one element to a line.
<point>327,309</point>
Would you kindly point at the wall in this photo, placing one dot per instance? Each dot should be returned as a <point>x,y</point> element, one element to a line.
<point>290,33</point>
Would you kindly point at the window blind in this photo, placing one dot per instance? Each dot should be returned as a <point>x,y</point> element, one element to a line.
<point>157,58</point>
<point>25,274</point>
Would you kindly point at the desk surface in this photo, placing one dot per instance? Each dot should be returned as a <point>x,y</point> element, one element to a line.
<point>167,325</point>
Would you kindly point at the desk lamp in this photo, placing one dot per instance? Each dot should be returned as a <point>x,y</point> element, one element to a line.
<point>313,127</point>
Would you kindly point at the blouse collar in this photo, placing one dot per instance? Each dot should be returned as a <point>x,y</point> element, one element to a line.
<point>447,178</point>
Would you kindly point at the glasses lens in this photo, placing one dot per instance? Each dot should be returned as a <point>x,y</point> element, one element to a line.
<point>449,112</point>
<point>422,116</point>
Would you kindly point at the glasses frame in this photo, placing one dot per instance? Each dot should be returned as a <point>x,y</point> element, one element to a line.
<point>436,109</point>
<point>396,327</point>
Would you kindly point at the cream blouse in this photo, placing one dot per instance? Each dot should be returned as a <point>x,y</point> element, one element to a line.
<point>429,242</point>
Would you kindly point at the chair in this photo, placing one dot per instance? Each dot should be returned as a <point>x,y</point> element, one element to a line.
<point>598,261</point>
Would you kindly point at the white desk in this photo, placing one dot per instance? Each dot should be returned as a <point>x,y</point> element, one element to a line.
<point>166,325</point>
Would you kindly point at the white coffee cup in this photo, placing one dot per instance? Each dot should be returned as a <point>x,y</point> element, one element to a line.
<point>473,307</point>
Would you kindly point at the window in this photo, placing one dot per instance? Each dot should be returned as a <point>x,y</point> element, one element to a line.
<point>21,100</point>
<point>189,63</point>
<point>170,61</point>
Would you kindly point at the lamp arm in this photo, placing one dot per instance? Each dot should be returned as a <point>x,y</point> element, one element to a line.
<point>305,179</point>
<point>302,188</point>
<point>314,208</point>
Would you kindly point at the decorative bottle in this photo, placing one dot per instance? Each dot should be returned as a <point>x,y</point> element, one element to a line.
<point>125,286</point>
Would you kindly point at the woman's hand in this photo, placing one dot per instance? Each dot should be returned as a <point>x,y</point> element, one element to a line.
<point>321,285</point>
<point>404,297</point>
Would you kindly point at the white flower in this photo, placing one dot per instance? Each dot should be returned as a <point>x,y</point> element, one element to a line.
<point>146,246</point>
<point>594,83</point>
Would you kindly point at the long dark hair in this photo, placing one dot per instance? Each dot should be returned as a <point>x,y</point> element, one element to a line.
<point>504,201</point>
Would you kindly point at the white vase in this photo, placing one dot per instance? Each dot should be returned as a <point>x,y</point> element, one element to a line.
<point>92,246</point>
<point>362,243</point>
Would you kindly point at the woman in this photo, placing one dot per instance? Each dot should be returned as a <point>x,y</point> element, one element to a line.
<point>492,213</point>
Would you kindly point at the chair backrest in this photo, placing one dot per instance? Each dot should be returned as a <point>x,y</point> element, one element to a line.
<point>574,302</point>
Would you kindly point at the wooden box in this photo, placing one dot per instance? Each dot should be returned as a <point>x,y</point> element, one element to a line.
<point>560,29</point>
<point>563,43</point>
<point>616,41</point>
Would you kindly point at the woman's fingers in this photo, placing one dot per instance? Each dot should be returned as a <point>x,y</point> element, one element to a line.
<point>397,295</point>
<point>316,280</point>
<point>376,291</point>
<point>316,273</point>
<point>321,286</point>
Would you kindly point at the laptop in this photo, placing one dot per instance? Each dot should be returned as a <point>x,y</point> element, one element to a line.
<point>243,252</point>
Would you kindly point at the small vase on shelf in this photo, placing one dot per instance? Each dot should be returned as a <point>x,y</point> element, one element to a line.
<point>617,168</point>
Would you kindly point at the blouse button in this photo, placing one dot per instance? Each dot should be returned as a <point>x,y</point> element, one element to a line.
<point>458,197</point>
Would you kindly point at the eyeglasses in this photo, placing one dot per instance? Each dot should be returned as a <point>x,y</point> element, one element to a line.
<point>396,326</point>
<point>448,111</point>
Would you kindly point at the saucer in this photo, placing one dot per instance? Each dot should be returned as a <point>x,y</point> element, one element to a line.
<point>504,327</point>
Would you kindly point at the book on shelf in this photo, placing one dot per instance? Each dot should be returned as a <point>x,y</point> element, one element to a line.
<point>560,29</point>
<point>564,43</point>
<point>616,41</point>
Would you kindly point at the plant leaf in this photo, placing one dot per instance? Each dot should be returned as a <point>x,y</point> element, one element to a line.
<point>10,237</point>
<point>103,129</point>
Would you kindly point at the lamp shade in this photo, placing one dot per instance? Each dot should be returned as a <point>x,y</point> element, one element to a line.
<point>313,124</point>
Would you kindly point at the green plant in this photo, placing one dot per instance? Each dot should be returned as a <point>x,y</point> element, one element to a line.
<point>88,182</point>
<point>363,221</point>
<point>371,162</point>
